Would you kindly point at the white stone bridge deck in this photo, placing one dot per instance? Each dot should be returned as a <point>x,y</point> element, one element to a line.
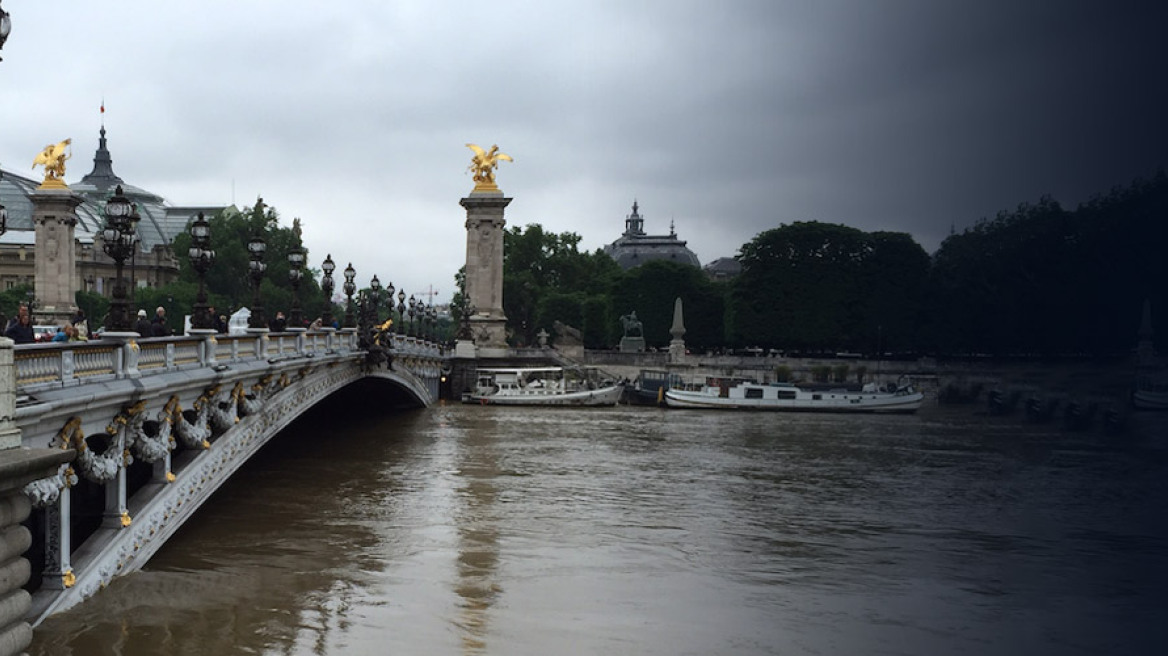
<point>158,425</point>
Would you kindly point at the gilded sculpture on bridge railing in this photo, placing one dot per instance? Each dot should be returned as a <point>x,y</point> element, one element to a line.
<point>53,159</point>
<point>483,165</point>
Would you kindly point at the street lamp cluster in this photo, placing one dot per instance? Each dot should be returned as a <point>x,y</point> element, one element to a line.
<point>201,256</point>
<point>256,247</point>
<point>120,238</point>
<point>413,317</point>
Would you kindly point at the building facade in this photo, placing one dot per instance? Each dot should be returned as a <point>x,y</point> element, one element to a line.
<point>635,247</point>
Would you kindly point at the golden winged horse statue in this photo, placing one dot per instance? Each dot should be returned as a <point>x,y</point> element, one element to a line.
<point>53,159</point>
<point>483,164</point>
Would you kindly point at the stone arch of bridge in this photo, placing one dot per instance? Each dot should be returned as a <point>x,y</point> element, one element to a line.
<point>188,437</point>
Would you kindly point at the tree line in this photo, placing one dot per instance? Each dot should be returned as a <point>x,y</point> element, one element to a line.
<point>1040,280</point>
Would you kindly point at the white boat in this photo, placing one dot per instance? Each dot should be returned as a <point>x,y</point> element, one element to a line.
<point>543,386</point>
<point>744,395</point>
<point>1151,393</point>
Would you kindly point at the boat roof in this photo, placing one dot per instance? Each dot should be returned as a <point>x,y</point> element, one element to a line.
<point>499,370</point>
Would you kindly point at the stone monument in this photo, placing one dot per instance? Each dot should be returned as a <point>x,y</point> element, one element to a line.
<point>677,344</point>
<point>484,254</point>
<point>633,340</point>
<point>54,217</point>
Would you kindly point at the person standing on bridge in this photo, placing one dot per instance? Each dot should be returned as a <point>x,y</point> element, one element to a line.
<point>20,330</point>
<point>279,324</point>
<point>143,326</point>
<point>158,327</point>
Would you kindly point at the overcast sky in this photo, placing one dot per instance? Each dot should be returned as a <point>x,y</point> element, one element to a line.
<point>726,118</point>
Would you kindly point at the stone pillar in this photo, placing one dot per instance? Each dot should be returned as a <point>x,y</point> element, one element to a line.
<point>484,269</point>
<point>116,515</point>
<point>19,466</point>
<point>54,216</point>
<point>207,346</point>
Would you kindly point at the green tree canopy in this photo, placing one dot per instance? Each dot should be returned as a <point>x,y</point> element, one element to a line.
<point>547,279</point>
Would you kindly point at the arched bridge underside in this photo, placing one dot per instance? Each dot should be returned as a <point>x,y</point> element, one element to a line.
<point>158,426</point>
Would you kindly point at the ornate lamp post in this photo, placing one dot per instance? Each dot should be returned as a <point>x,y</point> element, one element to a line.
<point>296,258</point>
<point>413,308</point>
<point>3,211</point>
<point>375,285</point>
<point>256,246</point>
<point>201,257</point>
<point>118,241</point>
<point>350,288</point>
<point>401,311</point>
<point>465,310</point>
<point>389,290</point>
<point>432,315</point>
<point>5,28</point>
<point>326,286</point>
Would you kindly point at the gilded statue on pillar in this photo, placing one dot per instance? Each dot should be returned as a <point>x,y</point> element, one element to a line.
<point>53,159</point>
<point>483,164</point>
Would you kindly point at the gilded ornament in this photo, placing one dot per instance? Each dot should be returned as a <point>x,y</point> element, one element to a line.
<point>483,165</point>
<point>68,579</point>
<point>126,521</point>
<point>53,159</point>
<point>170,478</point>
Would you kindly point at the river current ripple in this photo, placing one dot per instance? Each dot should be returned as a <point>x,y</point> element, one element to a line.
<point>486,530</point>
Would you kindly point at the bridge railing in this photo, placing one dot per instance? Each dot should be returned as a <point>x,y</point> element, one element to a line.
<point>40,366</point>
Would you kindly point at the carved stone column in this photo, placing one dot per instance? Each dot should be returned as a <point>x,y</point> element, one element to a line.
<point>58,573</point>
<point>484,268</point>
<point>54,216</point>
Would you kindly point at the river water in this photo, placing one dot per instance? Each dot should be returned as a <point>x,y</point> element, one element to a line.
<point>485,530</point>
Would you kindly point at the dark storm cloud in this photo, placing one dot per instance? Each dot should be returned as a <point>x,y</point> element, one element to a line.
<point>932,113</point>
<point>727,119</point>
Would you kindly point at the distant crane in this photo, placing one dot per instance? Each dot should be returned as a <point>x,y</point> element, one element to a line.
<point>430,294</point>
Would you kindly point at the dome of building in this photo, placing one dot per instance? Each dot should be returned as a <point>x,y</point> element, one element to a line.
<point>635,248</point>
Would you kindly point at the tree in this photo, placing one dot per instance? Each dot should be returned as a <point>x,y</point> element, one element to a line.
<point>547,279</point>
<point>800,287</point>
<point>228,284</point>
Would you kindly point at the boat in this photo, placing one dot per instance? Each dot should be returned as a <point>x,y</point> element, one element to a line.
<point>649,388</point>
<point>748,395</point>
<point>1151,393</point>
<point>579,386</point>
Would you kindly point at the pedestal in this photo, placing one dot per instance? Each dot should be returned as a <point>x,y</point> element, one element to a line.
<point>54,217</point>
<point>632,345</point>
<point>484,267</point>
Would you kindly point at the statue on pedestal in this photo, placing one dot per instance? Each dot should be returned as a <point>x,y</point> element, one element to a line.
<point>53,159</point>
<point>634,337</point>
<point>483,164</point>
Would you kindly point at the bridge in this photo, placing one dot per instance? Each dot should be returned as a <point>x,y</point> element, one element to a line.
<point>138,433</point>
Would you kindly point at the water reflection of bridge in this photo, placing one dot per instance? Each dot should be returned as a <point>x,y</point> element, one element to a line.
<point>135,436</point>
